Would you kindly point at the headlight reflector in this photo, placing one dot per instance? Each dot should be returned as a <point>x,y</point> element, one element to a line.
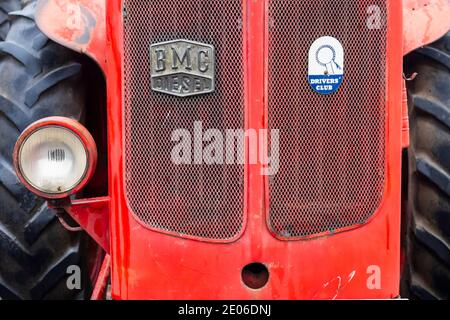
<point>53,160</point>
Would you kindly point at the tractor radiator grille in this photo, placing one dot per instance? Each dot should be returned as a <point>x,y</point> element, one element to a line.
<point>198,201</point>
<point>332,148</point>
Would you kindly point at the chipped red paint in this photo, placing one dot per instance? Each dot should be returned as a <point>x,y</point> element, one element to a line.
<point>424,21</point>
<point>76,24</point>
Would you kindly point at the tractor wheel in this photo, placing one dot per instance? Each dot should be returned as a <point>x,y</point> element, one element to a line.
<point>38,78</point>
<point>428,218</point>
<point>7,6</point>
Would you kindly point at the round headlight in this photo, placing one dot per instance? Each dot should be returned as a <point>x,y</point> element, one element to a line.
<point>55,157</point>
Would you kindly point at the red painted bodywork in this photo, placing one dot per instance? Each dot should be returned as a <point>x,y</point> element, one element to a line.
<point>77,24</point>
<point>405,118</point>
<point>150,265</point>
<point>81,24</point>
<point>424,21</point>
<point>93,216</point>
<point>102,279</point>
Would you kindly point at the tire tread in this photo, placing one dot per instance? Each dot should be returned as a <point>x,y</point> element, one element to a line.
<point>38,76</point>
<point>427,238</point>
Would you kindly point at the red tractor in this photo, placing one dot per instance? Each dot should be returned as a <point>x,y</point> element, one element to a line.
<point>266,149</point>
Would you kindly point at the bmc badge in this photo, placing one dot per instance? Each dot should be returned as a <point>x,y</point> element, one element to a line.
<point>326,65</point>
<point>182,68</point>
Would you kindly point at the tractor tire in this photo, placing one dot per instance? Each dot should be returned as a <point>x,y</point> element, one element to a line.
<point>38,78</point>
<point>427,264</point>
<point>7,6</point>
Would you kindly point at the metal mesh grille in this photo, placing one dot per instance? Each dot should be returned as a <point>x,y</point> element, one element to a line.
<point>332,148</point>
<point>204,201</point>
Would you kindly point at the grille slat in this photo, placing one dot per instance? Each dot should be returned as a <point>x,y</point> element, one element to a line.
<point>332,148</point>
<point>201,201</point>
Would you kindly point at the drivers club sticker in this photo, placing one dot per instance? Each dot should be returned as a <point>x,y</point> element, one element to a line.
<point>326,65</point>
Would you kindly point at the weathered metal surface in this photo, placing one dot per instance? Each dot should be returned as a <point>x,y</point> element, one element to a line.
<point>77,24</point>
<point>424,21</point>
<point>182,68</point>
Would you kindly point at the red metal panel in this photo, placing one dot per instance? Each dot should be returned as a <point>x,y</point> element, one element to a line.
<point>424,21</point>
<point>66,21</point>
<point>148,264</point>
<point>93,216</point>
<point>102,281</point>
<point>76,24</point>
